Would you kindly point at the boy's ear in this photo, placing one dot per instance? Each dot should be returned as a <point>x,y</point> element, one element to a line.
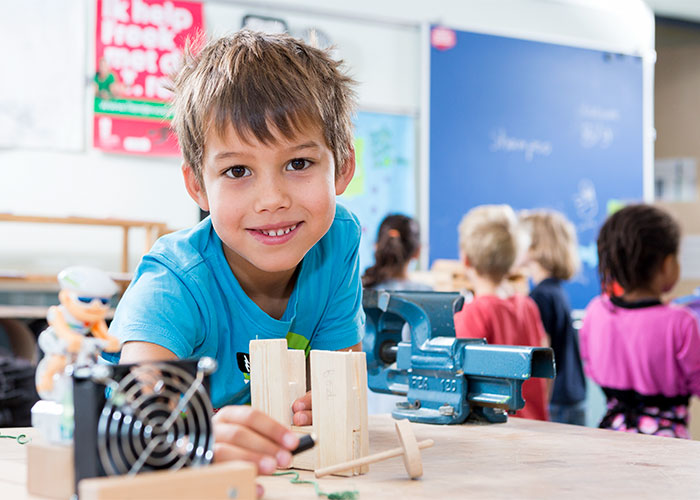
<point>194,187</point>
<point>465,261</point>
<point>345,174</point>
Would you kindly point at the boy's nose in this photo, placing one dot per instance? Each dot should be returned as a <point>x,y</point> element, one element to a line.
<point>272,195</point>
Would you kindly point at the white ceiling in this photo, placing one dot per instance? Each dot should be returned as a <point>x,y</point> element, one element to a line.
<point>680,9</point>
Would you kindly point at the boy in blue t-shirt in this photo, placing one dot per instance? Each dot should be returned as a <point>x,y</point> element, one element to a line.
<point>264,124</point>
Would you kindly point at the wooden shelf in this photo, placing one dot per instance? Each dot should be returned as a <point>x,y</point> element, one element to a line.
<point>154,230</point>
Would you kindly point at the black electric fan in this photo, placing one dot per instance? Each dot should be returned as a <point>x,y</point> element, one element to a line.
<point>142,417</point>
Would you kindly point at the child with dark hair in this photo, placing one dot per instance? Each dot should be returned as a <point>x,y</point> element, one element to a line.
<point>398,243</point>
<point>552,258</point>
<point>643,353</point>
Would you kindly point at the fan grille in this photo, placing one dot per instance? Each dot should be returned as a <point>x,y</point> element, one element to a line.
<point>156,417</point>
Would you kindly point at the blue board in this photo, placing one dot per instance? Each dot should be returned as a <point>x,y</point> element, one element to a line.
<point>384,181</point>
<point>533,125</point>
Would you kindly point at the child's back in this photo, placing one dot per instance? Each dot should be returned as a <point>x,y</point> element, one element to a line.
<point>489,245</point>
<point>650,348</point>
<point>551,259</point>
<point>644,354</point>
<point>510,321</point>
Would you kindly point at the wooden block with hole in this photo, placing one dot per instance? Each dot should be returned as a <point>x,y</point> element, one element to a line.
<point>50,470</point>
<point>270,394</point>
<point>339,407</point>
<point>277,379</point>
<point>225,481</point>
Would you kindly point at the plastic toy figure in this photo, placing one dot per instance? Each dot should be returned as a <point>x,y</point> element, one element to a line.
<point>77,330</point>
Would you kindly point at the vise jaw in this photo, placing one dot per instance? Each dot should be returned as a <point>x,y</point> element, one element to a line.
<point>412,351</point>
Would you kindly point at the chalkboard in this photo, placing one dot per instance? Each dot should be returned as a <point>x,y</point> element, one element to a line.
<point>533,125</point>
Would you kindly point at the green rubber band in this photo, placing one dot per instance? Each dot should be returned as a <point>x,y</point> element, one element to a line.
<point>337,495</point>
<point>21,439</point>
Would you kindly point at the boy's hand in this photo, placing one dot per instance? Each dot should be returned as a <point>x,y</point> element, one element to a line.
<point>243,433</point>
<point>302,410</point>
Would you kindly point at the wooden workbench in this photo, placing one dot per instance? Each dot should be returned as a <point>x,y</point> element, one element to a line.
<point>519,459</point>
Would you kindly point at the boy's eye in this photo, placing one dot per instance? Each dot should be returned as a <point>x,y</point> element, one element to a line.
<point>237,172</point>
<point>298,164</point>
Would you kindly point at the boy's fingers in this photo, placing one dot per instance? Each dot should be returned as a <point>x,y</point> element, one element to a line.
<point>244,438</point>
<point>258,422</point>
<point>302,403</point>
<point>302,418</point>
<point>224,452</point>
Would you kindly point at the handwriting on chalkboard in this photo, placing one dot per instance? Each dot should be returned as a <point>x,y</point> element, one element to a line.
<point>503,142</point>
<point>597,128</point>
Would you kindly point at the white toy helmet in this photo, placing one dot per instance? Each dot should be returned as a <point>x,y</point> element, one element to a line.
<point>87,282</point>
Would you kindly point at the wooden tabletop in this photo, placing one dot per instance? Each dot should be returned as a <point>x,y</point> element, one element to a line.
<point>519,459</point>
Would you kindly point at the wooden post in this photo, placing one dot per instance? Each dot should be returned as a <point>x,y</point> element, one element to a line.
<point>125,250</point>
<point>296,375</point>
<point>270,394</point>
<point>339,407</point>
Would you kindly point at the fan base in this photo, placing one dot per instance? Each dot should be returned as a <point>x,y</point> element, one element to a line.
<point>226,480</point>
<point>50,469</point>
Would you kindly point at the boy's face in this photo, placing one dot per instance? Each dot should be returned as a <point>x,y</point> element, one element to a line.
<point>269,203</point>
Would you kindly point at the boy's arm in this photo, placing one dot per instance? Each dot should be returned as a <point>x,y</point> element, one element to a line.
<point>139,352</point>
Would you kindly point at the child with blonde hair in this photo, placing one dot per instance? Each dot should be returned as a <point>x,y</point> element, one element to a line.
<point>490,242</point>
<point>643,353</point>
<point>552,258</point>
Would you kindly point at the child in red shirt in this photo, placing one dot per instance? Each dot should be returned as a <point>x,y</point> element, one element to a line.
<point>489,242</point>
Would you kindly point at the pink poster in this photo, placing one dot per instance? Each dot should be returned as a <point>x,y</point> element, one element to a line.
<point>139,44</point>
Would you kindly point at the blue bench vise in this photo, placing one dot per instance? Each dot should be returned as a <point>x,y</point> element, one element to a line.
<point>446,380</point>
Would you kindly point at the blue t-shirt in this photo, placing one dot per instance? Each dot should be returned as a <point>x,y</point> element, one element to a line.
<point>185,298</point>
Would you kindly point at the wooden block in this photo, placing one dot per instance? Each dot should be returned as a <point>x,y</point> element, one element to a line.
<point>270,394</point>
<point>338,379</point>
<point>360,428</point>
<point>296,371</point>
<point>50,470</point>
<point>226,481</point>
<point>306,460</point>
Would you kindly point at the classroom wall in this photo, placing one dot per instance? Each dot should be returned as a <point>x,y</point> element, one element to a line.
<point>677,110</point>
<point>381,42</point>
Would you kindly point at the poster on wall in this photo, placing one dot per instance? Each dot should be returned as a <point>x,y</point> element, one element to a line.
<point>385,170</point>
<point>138,45</point>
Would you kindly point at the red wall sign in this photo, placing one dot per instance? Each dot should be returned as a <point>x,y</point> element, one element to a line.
<point>139,44</point>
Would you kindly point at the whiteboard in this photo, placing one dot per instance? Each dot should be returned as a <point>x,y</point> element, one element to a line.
<point>42,89</point>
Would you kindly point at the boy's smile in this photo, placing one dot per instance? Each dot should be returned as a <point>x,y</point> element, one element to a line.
<point>275,234</point>
<point>269,203</point>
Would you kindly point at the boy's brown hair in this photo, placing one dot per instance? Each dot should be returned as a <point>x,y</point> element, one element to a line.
<point>489,238</point>
<point>553,242</point>
<point>261,84</point>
